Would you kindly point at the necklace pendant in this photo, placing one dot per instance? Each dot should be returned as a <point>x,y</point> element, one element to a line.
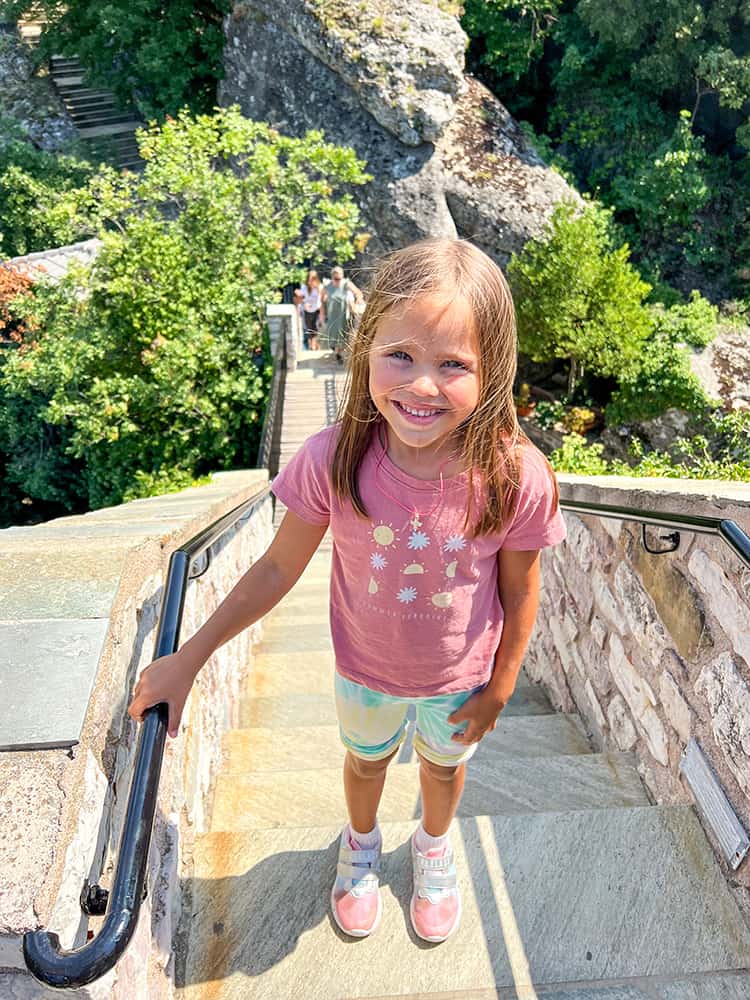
<point>416,521</point>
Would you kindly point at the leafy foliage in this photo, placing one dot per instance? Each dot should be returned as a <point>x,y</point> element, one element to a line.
<point>42,195</point>
<point>12,287</point>
<point>149,368</point>
<point>578,298</point>
<point>722,453</point>
<point>646,106</point>
<point>664,379</point>
<point>157,56</point>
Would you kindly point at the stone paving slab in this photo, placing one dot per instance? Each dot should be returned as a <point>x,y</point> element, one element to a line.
<point>497,785</point>
<point>17,986</point>
<point>38,580</point>
<point>260,749</point>
<point>48,672</point>
<point>732,986</point>
<point>548,898</point>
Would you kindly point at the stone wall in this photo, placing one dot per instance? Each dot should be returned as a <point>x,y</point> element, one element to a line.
<point>61,811</point>
<point>653,649</point>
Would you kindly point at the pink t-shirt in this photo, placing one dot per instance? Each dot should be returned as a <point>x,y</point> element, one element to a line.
<point>415,609</point>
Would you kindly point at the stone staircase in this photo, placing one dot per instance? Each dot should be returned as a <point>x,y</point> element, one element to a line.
<point>574,886</point>
<point>105,129</point>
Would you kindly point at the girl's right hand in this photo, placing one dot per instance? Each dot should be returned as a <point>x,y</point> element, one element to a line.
<point>168,680</point>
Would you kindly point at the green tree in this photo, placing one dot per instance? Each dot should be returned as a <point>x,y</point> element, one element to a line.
<point>512,33</point>
<point>43,202</point>
<point>604,86</point>
<point>158,56</point>
<point>578,298</point>
<point>148,368</point>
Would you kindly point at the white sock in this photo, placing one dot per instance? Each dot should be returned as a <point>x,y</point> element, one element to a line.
<point>367,841</point>
<point>425,842</point>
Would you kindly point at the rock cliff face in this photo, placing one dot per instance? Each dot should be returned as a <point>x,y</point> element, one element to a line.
<point>388,80</point>
<point>29,99</point>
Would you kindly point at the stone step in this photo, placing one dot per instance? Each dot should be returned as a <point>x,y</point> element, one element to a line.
<point>68,79</point>
<point>76,105</point>
<point>497,785</point>
<point>703,986</point>
<point>603,894</point>
<point>118,129</point>
<point>253,750</point>
<point>105,116</point>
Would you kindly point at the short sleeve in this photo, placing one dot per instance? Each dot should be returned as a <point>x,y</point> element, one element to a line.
<point>538,521</point>
<point>303,485</point>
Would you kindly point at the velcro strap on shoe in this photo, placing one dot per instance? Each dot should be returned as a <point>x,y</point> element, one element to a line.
<point>359,857</point>
<point>436,880</point>
<point>355,871</point>
<point>444,861</point>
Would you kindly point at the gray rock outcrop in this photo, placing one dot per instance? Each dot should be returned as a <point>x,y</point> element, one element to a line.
<point>29,99</point>
<point>388,80</point>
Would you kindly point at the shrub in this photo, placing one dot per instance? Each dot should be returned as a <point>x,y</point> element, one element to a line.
<point>12,286</point>
<point>724,455</point>
<point>145,365</point>
<point>578,298</point>
<point>664,379</point>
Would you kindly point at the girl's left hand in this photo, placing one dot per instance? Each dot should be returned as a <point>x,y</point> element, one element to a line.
<point>481,711</point>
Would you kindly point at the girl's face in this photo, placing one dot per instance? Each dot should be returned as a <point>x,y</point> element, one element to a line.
<point>424,374</point>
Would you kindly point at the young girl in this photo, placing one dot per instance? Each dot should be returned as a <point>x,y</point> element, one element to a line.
<point>438,507</point>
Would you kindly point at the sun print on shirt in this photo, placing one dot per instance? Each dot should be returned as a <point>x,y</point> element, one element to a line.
<point>436,595</point>
<point>384,534</point>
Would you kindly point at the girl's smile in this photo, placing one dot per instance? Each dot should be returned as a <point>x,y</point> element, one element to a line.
<point>424,378</point>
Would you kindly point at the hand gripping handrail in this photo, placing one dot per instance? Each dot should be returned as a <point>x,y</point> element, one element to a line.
<point>46,960</point>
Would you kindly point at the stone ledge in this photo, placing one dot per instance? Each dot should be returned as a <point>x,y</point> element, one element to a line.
<point>61,810</point>
<point>680,493</point>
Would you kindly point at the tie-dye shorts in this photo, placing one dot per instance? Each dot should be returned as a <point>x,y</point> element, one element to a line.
<point>373,724</point>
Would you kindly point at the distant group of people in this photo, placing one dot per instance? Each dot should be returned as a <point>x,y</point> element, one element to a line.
<point>328,306</point>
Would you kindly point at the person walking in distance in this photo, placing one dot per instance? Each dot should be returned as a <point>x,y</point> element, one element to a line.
<point>438,506</point>
<point>313,309</point>
<point>339,297</point>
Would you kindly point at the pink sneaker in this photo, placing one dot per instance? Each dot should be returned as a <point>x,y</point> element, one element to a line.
<point>355,897</point>
<point>435,906</point>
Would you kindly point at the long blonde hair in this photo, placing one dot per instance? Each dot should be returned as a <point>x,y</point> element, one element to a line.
<point>490,437</point>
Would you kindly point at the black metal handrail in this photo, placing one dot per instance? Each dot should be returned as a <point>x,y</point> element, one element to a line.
<point>728,530</point>
<point>45,959</point>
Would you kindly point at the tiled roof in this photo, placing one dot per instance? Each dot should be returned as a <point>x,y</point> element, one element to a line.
<point>53,264</point>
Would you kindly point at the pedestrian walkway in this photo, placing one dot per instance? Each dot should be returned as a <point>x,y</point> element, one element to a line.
<point>575,887</point>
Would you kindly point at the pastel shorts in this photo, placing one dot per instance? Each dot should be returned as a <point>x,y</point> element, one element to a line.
<point>373,724</point>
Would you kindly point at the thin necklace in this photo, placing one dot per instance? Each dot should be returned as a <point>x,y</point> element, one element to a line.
<point>416,518</point>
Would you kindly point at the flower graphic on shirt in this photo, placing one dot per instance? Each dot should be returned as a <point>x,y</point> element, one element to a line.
<point>377,561</point>
<point>407,594</point>
<point>454,544</point>
<point>418,540</point>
